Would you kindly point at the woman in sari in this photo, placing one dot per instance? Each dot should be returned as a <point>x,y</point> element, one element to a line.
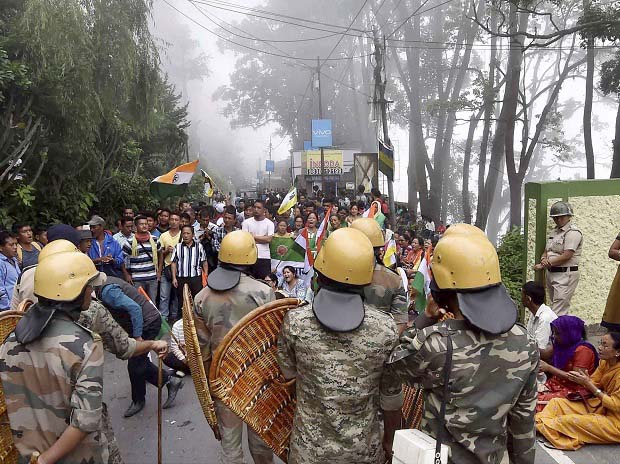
<point>611,316</point>
<point>570,351</point>
<point>569,425</point>
<point>414,257</point>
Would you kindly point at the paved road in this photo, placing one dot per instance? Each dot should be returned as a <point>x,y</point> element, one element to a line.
<point>188,439</point>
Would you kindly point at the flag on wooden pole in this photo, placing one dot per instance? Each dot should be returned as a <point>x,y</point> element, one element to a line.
<point>175,182</point>
<point>386,159</point>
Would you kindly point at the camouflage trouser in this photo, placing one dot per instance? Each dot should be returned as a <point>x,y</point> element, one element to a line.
<point>231,429</point>
<point>115,452</point>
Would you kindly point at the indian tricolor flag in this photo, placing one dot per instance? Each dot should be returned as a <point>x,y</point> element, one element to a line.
<point>175,182</point>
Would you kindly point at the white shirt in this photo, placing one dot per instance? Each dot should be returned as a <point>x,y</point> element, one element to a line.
<point>179,338</point>
<point>539,325</point>
<point>260,229</point>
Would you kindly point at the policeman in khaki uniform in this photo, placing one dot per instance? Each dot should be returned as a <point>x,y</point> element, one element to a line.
<point>336,348</point>
<point>231,294</point>
<point>386,292</point>
<point>561,258</point>
<point>489,411</point>
<point>52,368</point>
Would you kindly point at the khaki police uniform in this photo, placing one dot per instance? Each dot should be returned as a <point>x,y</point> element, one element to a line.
<point>562,280</point>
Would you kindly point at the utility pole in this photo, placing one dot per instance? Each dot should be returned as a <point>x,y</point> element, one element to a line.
<point>318,80</point>
<point>380,83</point>
<point>269,172</point>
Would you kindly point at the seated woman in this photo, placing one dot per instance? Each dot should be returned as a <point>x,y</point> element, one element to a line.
<point>569,425</point>
<point>571,352</point>
<point>293,286</point>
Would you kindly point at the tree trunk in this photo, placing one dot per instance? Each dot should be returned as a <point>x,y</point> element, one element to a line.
<point>483,207</point>
<point>587,107</point>
<point>518,22</point>
<point>412,195</point>
<point>615,164</point>
<point>419,154</point>
<point>473,123</point>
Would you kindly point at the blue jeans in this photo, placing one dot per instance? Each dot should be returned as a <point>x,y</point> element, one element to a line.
<point>167,303</point>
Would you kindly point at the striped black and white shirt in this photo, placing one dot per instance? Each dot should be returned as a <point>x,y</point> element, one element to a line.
<point>189,259</point>
<point>140,267</point>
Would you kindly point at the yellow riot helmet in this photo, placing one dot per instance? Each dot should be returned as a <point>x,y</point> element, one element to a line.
<point>238,250</point>
<point>466,262</point>
<point>63,276</point>
<point>464,229</point>
<point>370,228</point>
<point>238,247</point>
<point>347,256</point>
<point>57,246</point>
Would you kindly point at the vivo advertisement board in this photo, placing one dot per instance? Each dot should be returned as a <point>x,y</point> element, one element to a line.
<point>321,133</point>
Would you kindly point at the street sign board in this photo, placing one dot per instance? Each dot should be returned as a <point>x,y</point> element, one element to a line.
<point>270,165</point>
<point>333,162</point>
<point>321,133</point>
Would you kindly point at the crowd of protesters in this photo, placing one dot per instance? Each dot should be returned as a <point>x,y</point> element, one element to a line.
<point>150,255</point>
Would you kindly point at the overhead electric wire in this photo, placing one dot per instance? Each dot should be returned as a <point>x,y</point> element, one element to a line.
<point>303,99</point>
<point>418,12</point>
<point>282,21</point>
<point>241,7</point>
<point>343,34</point>
<point>247,46</point>
<point>339,81</point>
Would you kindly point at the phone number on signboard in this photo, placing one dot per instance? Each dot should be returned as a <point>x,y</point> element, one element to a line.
<point>327,171</point>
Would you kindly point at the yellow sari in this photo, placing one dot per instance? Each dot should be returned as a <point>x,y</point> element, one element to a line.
<point>569,425</point>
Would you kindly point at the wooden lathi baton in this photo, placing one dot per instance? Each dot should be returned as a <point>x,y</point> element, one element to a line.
<point>159,388</point>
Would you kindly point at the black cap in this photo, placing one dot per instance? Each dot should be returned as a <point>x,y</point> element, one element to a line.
<point>222,279</point>
<point>339,311</point>
<point>490,308</point>
<point>63,232</point>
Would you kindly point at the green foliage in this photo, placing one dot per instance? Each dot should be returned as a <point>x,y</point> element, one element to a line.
<point>510,252</point>
<point>87,117</point>
<point>610,75</point>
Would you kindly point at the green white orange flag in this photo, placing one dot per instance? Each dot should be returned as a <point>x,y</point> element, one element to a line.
<point>289,201</point>
<point>175,182</point>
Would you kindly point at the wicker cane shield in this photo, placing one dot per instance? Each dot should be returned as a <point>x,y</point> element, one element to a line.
<point>246,377</point>
<point>8,452</point>
<point>194,360</point>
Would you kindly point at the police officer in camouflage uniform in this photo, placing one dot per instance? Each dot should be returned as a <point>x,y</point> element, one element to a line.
<point>489,415</point>
<point>95,318</point>
<point>52,368</point>
<point>231,294</point>
<point>561,258</point>
<point>336,348</point>
<point>386,292</point>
